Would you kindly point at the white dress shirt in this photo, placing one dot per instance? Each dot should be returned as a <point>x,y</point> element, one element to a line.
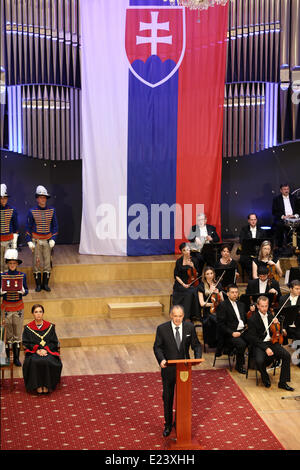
<point>203,231</point>
<point>263,286</point>
<point>253,231</point>
<point>294,300</point>
<point>179,329</point>
<point>287,205</point>
<point>266,323</point>
<point>235,308</point>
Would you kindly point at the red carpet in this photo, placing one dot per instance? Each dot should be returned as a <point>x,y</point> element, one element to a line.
<point>124,411</point>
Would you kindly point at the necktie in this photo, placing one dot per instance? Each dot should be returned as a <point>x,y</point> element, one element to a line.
<point>177,337</point>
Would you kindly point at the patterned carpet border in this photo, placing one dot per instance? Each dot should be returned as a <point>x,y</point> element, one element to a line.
<point>124,412</point>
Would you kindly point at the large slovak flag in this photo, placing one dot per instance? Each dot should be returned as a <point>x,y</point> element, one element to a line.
<point>152,117</point>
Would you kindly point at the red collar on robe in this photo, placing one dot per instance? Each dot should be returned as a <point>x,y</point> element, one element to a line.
<point>33,326</point>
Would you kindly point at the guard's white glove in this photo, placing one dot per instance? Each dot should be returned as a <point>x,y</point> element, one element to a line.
<point>31,245</point>
<point>21,291</point>
<point>51,243</point>
<point>2,292</point>
<point>15,241</point>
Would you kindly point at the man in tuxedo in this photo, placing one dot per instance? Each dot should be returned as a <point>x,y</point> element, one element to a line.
<point>252,230</point>
<point>201,234</point>
<point>173,340</point>
<point>231,320</point>
<point>283,207</point>
<point>263,285</point>
<point>293,299</point>
<point>265,351</point>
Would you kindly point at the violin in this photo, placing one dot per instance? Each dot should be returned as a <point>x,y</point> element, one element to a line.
<point>192,277</point>
<point>277,335</point>
<point>216,300</point>
<point>272,273</point>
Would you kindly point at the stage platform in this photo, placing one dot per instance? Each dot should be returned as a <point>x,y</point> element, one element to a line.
<point>86,289</point>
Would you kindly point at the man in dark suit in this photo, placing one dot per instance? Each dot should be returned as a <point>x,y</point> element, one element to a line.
<point>283,207</point>
<point>248,232</point>
<point>173,340</point>
<point>293,300</point>
<point>265,351</point>
<point>231,320</point>
<point>263,285</point>
<point>252,230</point>
<point>200,235</point>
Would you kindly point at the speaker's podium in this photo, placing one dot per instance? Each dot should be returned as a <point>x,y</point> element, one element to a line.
<point>184,438</point>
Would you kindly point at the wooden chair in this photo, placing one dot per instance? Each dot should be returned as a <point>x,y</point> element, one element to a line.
<point>9,362</point>
<point>230,353</point>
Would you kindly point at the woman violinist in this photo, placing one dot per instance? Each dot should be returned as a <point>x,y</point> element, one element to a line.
<point>226,261</point>
<point>185,289</point>
<point>210,295</point>
<point>266,258</point>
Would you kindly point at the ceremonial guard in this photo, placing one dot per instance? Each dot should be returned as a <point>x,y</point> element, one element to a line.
<point>9,225</point>
<point>41,234</point>
<point>13,288</point>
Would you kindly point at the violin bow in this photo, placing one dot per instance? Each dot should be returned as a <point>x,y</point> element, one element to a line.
<point>217,282</point>
<point>277,314</point>
<point>195,280</point>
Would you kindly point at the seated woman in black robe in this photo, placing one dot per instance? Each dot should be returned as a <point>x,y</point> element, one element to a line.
<point>210,294</point>
<point>185,289</point>
<point>42,366</point>
<point>226,262</point>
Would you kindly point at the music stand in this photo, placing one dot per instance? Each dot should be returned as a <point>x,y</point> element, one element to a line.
<point>290,314</point>
<point>247,299</point>
<point>228,278</point>
<point>294,274</point>
<point>250,246</point>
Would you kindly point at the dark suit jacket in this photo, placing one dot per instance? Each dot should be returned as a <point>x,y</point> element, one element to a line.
<point>253,287</point>
<point>278,206</point>
<point>226,316</point>
<point>245,233</point>
<point>211,231</point>
<point>288,304</point>
<point>165,346</point>
<point>257,331</point>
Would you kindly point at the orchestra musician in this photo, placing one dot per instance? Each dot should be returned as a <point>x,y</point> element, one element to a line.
<point>263,284</point>
<point>283,207</point>
<point>232,321</point>
<point>266,258</point>
<point>266,347</point>
<point>186,283</point>
<point>293,330</point>
<point>210,295</point>
<point>249,231</point>
<point>226,261</point>
<point>201,234</point>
